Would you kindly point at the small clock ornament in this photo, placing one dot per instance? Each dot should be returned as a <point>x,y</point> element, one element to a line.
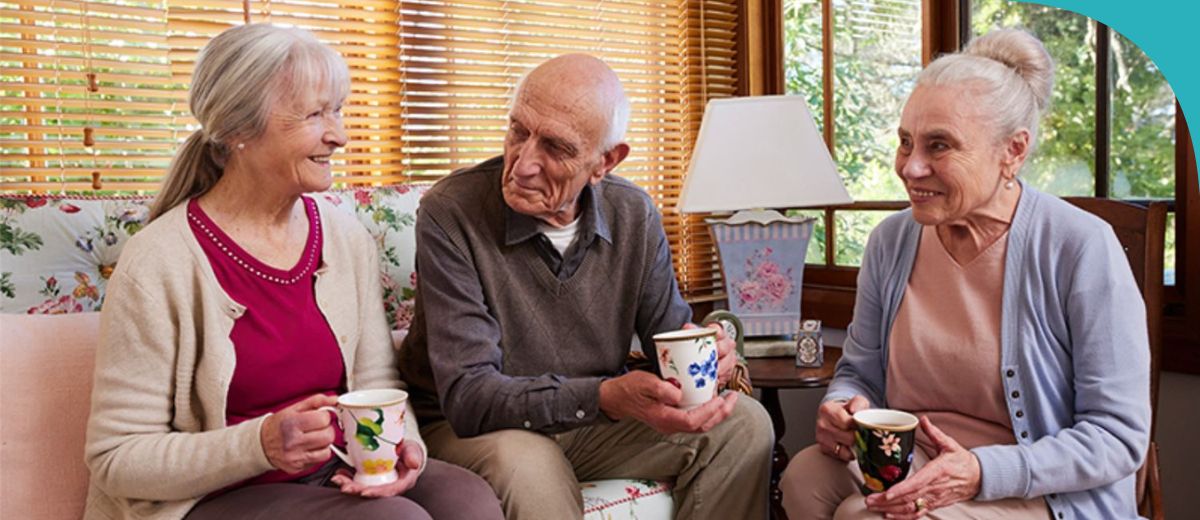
<point>732,326</point>
<point>810,348</point>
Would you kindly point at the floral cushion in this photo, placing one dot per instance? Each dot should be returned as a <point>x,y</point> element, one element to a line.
<point>57,252</point>
<point>389,214</point>
<point>641,499</point>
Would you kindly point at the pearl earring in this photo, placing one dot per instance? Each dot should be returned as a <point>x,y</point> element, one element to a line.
<point>1007,185</point>
<point>242,146</point>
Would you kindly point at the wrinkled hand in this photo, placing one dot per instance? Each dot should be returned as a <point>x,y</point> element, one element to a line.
<point>646,398</point>
<point>298,437</point>
<point>952,476</point>
<point>408,467</point>
<point>726,353</point>
<point>835,426</point>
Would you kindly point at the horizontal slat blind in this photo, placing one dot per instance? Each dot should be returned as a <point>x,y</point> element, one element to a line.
<point>365,35</point>
<point>460,61</point>
<point>431,80</point>
<point>710,52</point>
<point>58,128</point>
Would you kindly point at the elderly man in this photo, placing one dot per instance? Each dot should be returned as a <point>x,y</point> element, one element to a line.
<point>537,268</point>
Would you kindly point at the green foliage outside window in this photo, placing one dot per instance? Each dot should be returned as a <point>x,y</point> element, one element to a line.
<point>1065,160</point>
<point>877,54</point>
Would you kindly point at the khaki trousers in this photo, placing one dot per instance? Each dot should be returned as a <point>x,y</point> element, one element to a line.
<point>721,474</point>
<point>817,486</point>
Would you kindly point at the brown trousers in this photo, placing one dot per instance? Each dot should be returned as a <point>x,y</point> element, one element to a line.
<point>444,491</point>
<point>721,474</point>
<point>817,486</point>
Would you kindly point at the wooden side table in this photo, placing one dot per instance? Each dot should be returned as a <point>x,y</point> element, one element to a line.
<point>771,374</point>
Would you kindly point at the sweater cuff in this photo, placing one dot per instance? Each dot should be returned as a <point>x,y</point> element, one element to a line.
<point>837,396</point>
<point>845,396</point>
<point>259,463</point>
<point>1003,472</point>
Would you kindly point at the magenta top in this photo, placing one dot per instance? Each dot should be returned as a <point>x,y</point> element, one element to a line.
<point>284,348</point>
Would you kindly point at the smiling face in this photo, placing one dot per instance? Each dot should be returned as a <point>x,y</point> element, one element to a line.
<point>554,145</point>
<point>301,135</point>
<point>948,158</point>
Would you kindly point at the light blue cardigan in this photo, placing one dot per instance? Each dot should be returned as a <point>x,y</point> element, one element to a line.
<point>1075,361</point>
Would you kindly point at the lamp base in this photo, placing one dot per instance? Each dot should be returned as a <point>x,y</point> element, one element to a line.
<point>762,260</point>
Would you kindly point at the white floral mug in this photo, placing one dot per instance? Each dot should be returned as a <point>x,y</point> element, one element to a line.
<point>373,424</point>
<point>688,359</point>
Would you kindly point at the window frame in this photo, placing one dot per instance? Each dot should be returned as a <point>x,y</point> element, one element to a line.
<point>829,289</point>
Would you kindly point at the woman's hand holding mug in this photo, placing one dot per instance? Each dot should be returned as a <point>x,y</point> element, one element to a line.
<point>408,467</point>
<point>298,437</point>
<point>835,426</point>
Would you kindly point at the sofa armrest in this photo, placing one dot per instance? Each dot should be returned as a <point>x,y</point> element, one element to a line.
<point>45,399</point>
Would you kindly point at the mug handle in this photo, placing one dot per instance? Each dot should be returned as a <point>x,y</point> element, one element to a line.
<point>337,451</point>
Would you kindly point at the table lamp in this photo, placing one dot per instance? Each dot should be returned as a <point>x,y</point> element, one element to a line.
<point>755,153</point>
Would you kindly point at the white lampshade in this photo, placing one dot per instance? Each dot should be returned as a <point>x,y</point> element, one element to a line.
<point>760,152</point>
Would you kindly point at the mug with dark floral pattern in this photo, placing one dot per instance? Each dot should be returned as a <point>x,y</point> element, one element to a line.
<point>883,446</point>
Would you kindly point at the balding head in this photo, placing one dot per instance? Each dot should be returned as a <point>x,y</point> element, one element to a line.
<point>566,130</point>
<point>581,86</point>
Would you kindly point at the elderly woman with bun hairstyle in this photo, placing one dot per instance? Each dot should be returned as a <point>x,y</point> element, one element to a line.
<point>1007,319</point>
<point>245,306</point>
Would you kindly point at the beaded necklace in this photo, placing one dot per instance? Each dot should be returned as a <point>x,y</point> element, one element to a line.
<point>310,256</point>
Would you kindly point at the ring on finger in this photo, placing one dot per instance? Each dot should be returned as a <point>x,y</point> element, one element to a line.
<point>920,505</point>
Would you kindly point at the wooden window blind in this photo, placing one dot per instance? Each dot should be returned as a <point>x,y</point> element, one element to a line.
<point>460,61</point>
<point>87,95</point>
<point>431,80</point>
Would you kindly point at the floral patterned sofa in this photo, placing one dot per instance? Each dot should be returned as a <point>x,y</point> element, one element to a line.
<point>56,254</point>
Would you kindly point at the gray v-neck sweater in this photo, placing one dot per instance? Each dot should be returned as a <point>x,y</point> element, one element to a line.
<point>498,340</point>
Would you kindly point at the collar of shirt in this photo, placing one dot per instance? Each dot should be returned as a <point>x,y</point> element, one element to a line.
<point>592,224</point>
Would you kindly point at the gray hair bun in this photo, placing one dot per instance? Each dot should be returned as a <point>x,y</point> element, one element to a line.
<point>1024,54</point>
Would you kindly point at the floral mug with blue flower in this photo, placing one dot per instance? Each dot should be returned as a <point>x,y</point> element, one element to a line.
<point>688,359</point>
<point>883,446</point>
<point>373,422</point>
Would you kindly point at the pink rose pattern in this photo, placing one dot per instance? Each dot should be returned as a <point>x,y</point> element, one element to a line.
<point>604,500</point>
<point>764,287</point>
<point>62,305</point>
<point>57,303</point>
<point>362,197</point>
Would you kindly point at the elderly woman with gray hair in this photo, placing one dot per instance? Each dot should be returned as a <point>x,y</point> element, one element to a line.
<point>244,307</point>
<point>1008,319</point>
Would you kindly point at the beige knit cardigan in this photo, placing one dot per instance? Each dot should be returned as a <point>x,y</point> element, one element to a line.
<point>156,439</point>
